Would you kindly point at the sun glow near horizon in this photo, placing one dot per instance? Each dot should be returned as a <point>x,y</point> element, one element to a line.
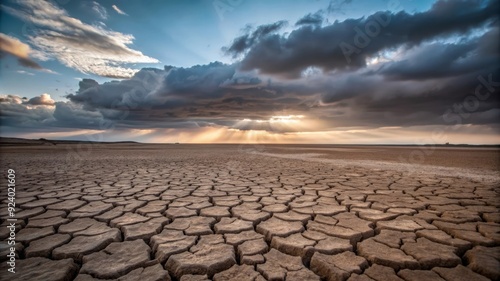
<point>385,135</point>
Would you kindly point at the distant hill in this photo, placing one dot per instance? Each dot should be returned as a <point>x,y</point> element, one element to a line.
<point>20,141</point>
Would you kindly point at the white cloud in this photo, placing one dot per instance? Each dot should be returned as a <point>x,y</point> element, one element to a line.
<point>100,10</point>
<point>119,11</point>
<point>40,55</point>
<point>25,72</point>
<point>87,48</point>
<point>43,99</point>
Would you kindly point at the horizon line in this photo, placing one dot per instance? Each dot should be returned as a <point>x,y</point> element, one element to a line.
<point>247,143</point>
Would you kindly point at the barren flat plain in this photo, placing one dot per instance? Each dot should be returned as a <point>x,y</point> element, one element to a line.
<point>154,212</point>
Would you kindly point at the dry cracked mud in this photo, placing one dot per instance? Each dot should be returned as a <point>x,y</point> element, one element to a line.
<point>194,212</point>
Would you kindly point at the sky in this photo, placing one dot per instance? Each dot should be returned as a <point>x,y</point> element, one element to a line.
<point>240,71</point>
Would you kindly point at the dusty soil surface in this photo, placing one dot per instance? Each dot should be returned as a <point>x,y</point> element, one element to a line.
<point>251,212</point>
<point>479,158</point>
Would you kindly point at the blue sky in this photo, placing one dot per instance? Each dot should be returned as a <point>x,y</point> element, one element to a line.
<point>239,70</point>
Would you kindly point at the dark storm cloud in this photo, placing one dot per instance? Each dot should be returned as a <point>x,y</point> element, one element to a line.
<point>408,103</point>
<point>242,82</point>
<point>447,59</point>
<point>347,44</point>
<point>196,81</point>
<point>73,115</point>
<point>312,19</point>
<point>205,95</point>
<point>427,84</point>
<point>244,42</point>
<point>42,112</point>
<point>167,88</point>
<point>15,112</point>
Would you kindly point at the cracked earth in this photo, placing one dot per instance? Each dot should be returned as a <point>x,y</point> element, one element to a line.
<point>223,213</point>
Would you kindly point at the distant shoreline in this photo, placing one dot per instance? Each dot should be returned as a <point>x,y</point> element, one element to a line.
<point>20,141</point>
<point>6,141</point>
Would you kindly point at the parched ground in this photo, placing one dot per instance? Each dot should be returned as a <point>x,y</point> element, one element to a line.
<point>252,212</point>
